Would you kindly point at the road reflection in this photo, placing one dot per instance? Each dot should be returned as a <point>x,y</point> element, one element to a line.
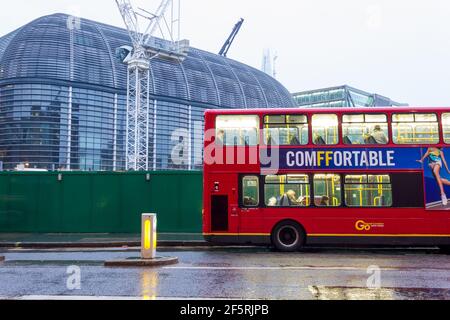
<point>354,293</point>
<point>149,284</point>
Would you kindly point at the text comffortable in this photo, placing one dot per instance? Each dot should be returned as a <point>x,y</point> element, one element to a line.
<point>340,158</point>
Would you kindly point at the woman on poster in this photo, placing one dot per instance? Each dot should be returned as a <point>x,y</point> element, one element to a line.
<point>436,159</point>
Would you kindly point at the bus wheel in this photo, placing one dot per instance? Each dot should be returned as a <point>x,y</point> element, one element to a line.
<point>288,236</point>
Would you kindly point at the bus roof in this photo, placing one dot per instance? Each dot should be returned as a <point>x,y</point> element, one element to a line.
<point>326,110</point>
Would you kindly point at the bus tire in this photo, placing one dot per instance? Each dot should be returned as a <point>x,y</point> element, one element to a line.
<point>288,236</point>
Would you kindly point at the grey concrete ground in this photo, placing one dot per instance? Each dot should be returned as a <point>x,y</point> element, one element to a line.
<point>229,273</point>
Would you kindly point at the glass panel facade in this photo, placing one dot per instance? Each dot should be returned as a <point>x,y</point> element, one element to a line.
<point>317,97</point>
<point>341,97</point>
<point>361,100</point>
<point>53,127</point>
<point>63,98</point>
<point>94,142</point>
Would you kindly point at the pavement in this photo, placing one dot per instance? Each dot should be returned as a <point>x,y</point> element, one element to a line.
<point>228,273</point>
<point>95,240</point>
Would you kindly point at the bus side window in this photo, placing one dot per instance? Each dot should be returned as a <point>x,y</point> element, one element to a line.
<point>292,190</point>
<point>446,127</point>
<point>327,190</point>
<point>250,191</point>
<point>368,191</point>
<point>415,128</point>
<point>237,130</point>
<point>286,130</point>
<point>325,129</point>
<point>365,129</point>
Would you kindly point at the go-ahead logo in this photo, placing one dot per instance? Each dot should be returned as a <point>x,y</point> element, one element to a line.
<point>361,225</point>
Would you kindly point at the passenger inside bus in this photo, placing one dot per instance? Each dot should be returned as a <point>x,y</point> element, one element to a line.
<point>319,141</point>
<point>289,199</point>
<point>347,140</point>
<point>284,201</point>
<point>370,140</point>
<point>295,141</point>
<point>325,202</point>
<point>379,136</point>
<point>303,201</point>
<point>292,197</point>
<point>270,141</point>
<point>250,201</point>
<point>272,202</point>
<point>220,138</point>
<point>275,136</point>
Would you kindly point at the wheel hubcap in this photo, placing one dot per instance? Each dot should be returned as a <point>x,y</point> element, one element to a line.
<point>288,236</point>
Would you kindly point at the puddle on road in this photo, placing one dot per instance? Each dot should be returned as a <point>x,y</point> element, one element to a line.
<point>355,293</point>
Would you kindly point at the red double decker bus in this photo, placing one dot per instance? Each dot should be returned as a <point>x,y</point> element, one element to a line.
<point>295,177</point>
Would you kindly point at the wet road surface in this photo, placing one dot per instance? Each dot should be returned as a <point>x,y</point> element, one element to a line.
<point>230,273</point>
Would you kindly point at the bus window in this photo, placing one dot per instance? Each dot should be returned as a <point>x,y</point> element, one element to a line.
<point>368,191</point>
<point>286,130</point>
<point>415,128</point>
<point>250,191</point>
<point>365,129</point>
<point>237,130</point>
<point>446,127</point>
<point>325,129</point>
<point>327,190</point>
<point>291,190</point>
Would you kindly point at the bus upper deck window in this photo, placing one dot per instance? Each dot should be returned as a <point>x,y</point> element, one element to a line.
<point>286,130</point>
<point>237,130</point>
<point>325,129</point>
<point>365,129</point>
<point>415,128</point>
<point>446,127</point>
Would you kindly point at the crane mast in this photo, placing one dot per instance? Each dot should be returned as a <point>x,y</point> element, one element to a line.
<point>140,115</point>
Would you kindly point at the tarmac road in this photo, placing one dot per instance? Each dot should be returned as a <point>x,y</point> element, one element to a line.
<point>229,273</point>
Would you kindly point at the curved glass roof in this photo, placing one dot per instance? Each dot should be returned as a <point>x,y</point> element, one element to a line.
<point>47,49</point>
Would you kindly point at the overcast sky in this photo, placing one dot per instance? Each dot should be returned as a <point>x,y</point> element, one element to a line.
<point>397,48</point>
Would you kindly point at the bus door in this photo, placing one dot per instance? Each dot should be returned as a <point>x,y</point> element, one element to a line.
<point>250,212</point>
<point>224,203</point>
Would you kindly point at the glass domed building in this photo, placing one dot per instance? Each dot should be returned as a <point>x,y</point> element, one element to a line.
<point>63,96</point>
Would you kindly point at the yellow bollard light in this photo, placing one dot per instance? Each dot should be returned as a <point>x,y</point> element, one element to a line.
<point>149,236</point>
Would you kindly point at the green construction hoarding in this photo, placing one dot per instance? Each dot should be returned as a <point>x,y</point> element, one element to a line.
<point>99,202</point>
